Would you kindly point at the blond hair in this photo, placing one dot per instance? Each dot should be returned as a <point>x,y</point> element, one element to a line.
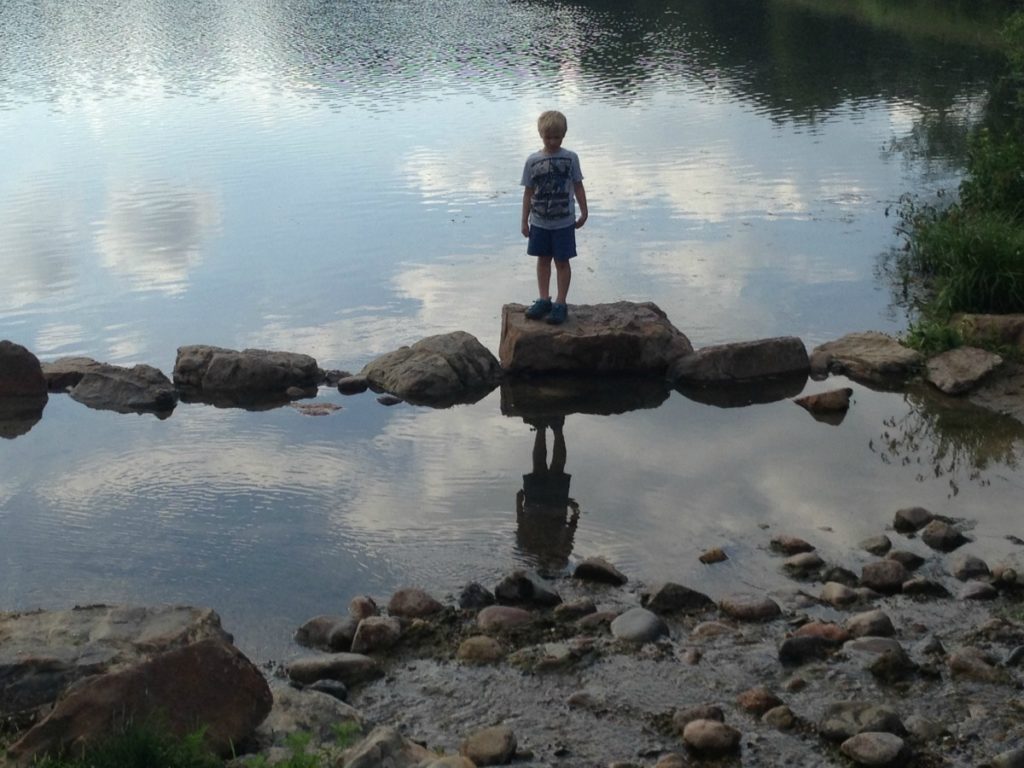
<point>552,121</point>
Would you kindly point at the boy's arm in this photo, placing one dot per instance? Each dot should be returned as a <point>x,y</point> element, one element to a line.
<point>524,225</point>
<point>581,198</point>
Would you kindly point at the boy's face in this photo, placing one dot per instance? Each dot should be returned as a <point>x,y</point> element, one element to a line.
<point>552,140</point>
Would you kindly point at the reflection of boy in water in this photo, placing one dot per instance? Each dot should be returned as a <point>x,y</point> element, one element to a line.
<point>541,506</point>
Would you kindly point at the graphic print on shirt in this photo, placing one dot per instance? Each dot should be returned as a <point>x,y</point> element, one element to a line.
<point>552,187</point>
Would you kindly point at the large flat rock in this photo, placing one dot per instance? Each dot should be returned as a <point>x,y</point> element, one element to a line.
<point>869,357</point>
<point>742,362</point>
<point>618,338</point>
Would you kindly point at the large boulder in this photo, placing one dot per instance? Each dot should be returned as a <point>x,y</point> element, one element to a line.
<point>22,390</point>
<point>209,685</point>
<point>618,338</point>
<point>742,362</point>
<point>139,389</point>
<point>21,375</point>
<point>991,330</point>
<point>227,376</point>
<point>960,370</point>
<point>869,357</point>
<point>43,652</point>
<point>439,370</point>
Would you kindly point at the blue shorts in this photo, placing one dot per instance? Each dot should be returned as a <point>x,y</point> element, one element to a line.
<point>559,243</point>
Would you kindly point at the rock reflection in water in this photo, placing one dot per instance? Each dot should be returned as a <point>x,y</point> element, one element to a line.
<point>19,414</point>
<point>739,394</point>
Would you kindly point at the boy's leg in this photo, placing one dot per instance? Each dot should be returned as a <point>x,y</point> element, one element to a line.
<point>563,276</point>
<point>544,277</point>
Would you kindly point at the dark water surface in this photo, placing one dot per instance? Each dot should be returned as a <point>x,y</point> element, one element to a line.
<point>341,178</point>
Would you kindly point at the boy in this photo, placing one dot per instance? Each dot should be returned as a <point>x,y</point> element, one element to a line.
<point>552,182</point>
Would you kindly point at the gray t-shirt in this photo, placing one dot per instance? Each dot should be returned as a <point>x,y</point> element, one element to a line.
<point>552,178</point>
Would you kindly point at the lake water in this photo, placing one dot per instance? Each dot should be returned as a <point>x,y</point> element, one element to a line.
<point>341,178</point>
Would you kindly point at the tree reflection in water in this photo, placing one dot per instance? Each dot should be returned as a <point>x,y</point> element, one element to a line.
<point>949,437</point>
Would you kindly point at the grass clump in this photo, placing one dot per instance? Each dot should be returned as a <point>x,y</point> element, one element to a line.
<point>140,747</point>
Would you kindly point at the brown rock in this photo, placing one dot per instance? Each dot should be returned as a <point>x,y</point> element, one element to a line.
<point>715,555</point>
<point>835,400</point>
<point>749,607</point>
<point>742,361</point>
<point>209,683</point>
<point>790,545</point>
<point>490,746</point>
<point>758,700</point>
<point>960,370</point>
<point>480,649</point>
<point>886,576</point>
<point>498,618</point>
<point>870,357</point>
<point>413,604</point>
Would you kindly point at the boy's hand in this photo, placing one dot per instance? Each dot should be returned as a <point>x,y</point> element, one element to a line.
<point>525,229</point>
<point>581,220</point>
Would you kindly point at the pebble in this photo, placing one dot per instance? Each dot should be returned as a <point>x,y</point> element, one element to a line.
<point>971,663</point>
<point>711,556</point>
<point>480,649</point>
<point>475,596</point>
<point>911,519</point>
<point>978,590</point>
<point>780,718</point>
<point>790,545</point>
<point>885,576</point>
<point>803,563</point>
<point>921,587</point>
<point>315,632</point>
<point>600,570</point>
<point>837,594</point>
<point>596,620</point>
<point>743,607</point>
<point>875,623</point>
<point>671,760</point>
<point>412,603</point>
<point>942,536</point>
<point>575,609</point>
<point>362,606</point>
<point>712,629</point>
<point>871,748</point>
<point>1013,758</point>
<point>825,630</point>
<point>498,618</point>
<point>1015,657</point>
<point>967,567</point>
<point>803,649</point>
<point>711,737</point>
<point>758,700</point>
<point>670,597</point>
<point>586,700</point>
<point>490,746</point>
<point>845,719</point>
<point>909,560</point>
<point>706,712</point>
<point>876,545</point>
<point>376,633</point>
<point>638,625</point>
<point>334,688</point>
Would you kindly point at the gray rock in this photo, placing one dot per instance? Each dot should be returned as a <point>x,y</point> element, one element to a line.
<point>875,749</point>
<point>669,597</point>
<point>1015,657</point>
<point>924,729</point>
<point>600,570</point>
<point>21,375</point>
<point>876,545</point>
<point>353,385</point>
<point>1013,758</point>
<point>978,590</point>
<point>575,609</point>
<point>960,370</point>
<point>757,700</point>
<point>413,603</point>
<point>310,711</point>
<point>621,337</point>
<point>942,536</point>
<point>385,746</point>
<point>837,594</point>
<point>870,357</point>
<point>349,668</point>
<point>885,576</point>
<point>798,650</point>
<point>140,389</point>
<point>66,372</point>
<point>361,606</point>
<point>317,633</point>
<point>875,623</point>
<point>780,718</point>
<point>208,682</point>
<point>705,712</point>
<point>920,586</point>
<point>790,545</point>
<point>638,625</point>
<point>439,370</point>
<point>803,564</point>
<point>843,720</point>
<point>910,519</point>
<point>711,737</point>
<point>744,607</point>
<point>742,361</point>
<point>524,587</point>
<point>376,633</point>
<point>974,664</point>
<point>215,373</point>
<point>475,596</point>
<point>965,566</point>
<point>909,560</point>
<point>490,746</point>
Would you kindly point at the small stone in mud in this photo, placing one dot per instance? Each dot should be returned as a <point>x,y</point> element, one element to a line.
<point>942,536</point>
<point>693,656</point>
<point>714,555</point>
<point>978,590</point>
<point>711,737</point>
<point>757,700</point>
<point>376,633</point>
<point>475,596</point>
<point>490,746</point>
<point>837,594</point>
<point>911,519</point>
<point>892,666</point>
<point>706,712</point>
<point>921,587</point>
<point>498,618</point>
<point>638,625</point>
<point>412,603</point>
<point>362,606</point>
<point>973,664</point>
<point>795,684</point>
<point>967,566</point>
<point>743,607</point>
<point>780,718</point>
<point>600,570</point>
<point>845,719</point>
<point>874,623</point>
<point>801,650</point>
<point>885,576</point>
<point>825,630</point>
<point>1004,574</point>
<point>803,564</point>
<point>587,700</point>
<point>790,545</point>
<point>575,609</point>
<point>839,575</point>
<point>671,760</point>
<point>670,597</point>
<point>910,560</point>
<point>874,748</point>
<point>876,545</point>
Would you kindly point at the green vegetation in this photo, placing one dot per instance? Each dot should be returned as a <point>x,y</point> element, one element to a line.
<point>968,256</point>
